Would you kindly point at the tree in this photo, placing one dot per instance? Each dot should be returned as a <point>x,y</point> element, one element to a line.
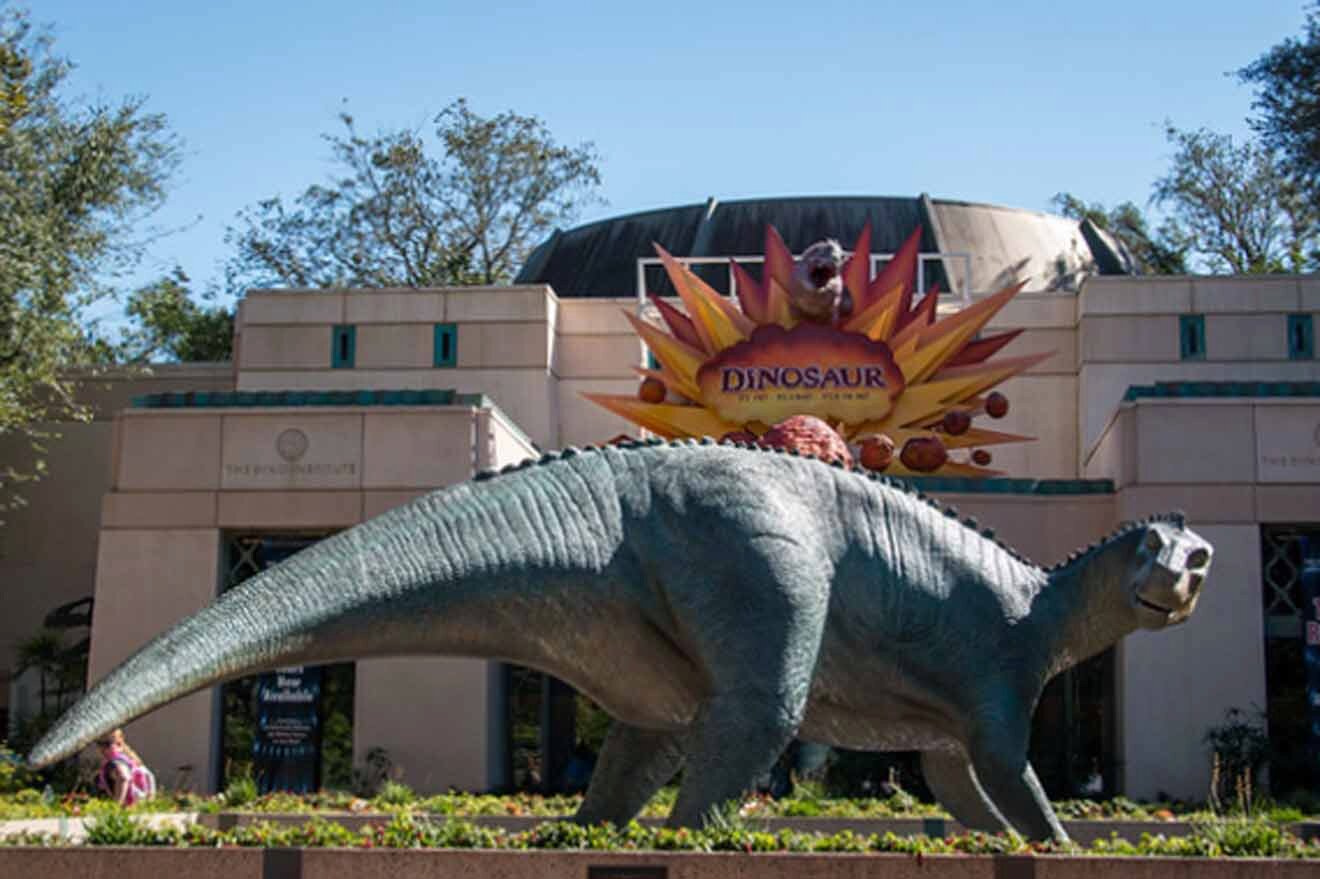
<point>75,181</point>
<point>398,217</point>
<point>1234,205</point>
<point>1288,101</point>
<point>1153,253</point>
<point>171,325</point>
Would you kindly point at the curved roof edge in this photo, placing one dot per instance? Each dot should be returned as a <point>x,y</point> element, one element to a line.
<point>983,246</point>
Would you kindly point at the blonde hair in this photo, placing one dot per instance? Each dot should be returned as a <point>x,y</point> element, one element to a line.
<point>117,738</point>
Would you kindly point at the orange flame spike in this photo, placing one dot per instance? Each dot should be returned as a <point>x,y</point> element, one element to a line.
<point>679,323</point>
<point>778,260</point>
<point>857,270</point>
<point>877,321</point>
<point>940,342</point>
<point>777,310</point>
<point>902,269</point>
<point>670,382</point>
<point>679,360</point>
<point>666,419</point>
<point>718,321</point>
<point>751,295</point>
<point>923,315</point>
<point>979,350</point>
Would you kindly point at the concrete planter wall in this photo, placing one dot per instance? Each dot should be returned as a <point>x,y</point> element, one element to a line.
<point>152,863</point>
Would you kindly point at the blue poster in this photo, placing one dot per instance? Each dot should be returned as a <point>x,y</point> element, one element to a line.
<point>286,750</point>
<point>1311,647</point>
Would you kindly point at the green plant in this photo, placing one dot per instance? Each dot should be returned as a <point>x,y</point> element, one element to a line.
<point>367,780</point>
<point>396,794</point>
<point>115,828</point>
<point>240,792</point>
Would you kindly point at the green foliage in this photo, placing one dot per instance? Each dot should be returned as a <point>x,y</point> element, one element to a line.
<point>1288,100</point>
<point>240,792</point>
<point>75,181</point>
<point>14,774</point>
<point>170,325</point>
<point>394,794</point>
<point>1234,206</point>
<point>1153,253</point>
<point>395,215</point>
<point>117,828</point>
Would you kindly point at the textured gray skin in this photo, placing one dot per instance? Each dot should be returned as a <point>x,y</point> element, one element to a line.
<point>717,602</point>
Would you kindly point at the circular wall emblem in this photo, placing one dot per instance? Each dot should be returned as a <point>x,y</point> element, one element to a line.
<point>291,444</point>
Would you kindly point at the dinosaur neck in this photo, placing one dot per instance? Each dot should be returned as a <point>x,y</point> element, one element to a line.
<point>1085,605</point>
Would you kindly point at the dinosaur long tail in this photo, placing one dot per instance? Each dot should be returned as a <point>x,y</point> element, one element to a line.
<point>404,582</point>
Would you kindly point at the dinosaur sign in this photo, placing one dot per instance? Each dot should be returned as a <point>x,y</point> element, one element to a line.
<point>819,336</point>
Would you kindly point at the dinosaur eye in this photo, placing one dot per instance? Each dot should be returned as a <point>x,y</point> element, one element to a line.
<point>1197,558</point>
<point>1154,543</point>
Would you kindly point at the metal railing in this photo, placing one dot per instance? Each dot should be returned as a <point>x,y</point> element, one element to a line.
<point>877,260</point>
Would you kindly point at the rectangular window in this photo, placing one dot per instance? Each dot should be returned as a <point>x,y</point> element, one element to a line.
<point>1191,336</point>
<point>651,361</point>
<point>446,345</point>
<point>1301,337</point>
<point>343,346</point>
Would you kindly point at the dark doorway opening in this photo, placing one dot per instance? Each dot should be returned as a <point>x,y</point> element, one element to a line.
<point>309,747</point>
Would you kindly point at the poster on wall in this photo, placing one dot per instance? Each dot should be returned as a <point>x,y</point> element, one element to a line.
<point>286,747</point>
<point>1311,648</point>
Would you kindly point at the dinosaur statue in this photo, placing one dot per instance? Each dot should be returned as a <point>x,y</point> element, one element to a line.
<point>716,601</point>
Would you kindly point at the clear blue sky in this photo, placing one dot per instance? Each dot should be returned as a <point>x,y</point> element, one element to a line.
<point>996,102</point>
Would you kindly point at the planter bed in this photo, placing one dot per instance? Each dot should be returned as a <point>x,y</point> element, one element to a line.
<point>1083,832</point>
<point>234,863</point>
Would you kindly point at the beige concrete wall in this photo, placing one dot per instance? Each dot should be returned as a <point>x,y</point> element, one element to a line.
<point>1044,528</point>
<point>1128,335</point>
<point>432,715</point>
<point>1206,457</point>
<point>1177,683</point>
<point>145,582</point>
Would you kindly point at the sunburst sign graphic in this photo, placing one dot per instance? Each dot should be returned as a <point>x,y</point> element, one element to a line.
<point>878,365</point>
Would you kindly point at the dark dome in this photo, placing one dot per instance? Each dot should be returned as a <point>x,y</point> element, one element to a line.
<point>1004,245</point>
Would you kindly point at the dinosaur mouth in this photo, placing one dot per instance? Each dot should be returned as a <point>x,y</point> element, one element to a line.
<point>1153,606</point>
<point>822,275</point>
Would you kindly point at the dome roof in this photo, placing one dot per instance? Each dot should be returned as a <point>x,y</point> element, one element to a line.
<point>1000,245</point>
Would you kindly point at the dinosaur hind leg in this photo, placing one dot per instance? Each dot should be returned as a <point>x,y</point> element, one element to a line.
<point>952,780</point>
<point>734,741</point>
<point>632,766</point>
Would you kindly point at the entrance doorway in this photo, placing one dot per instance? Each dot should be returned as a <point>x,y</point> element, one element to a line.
<point>291,730</point>
<point>1288,715</point>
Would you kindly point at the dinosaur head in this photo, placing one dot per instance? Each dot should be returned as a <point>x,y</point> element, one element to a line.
<point>1166,573</point>
<point>817,288</point>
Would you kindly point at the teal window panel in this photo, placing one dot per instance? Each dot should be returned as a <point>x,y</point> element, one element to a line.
<point>1301,337</point>
<point>446,345</point>
<point>1191,336</point>
<point>651,361</point>
<point>343,346</point>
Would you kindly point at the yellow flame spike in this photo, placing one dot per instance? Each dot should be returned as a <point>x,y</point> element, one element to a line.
<point>878,320</point>
<point>915,404</point>
<point>680,361</point>
<point>939,343</point>
<point>666,419</point>
<point>719,323</point>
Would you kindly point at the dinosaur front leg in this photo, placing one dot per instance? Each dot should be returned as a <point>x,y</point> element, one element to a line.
<point>999,758</point>
<point>633,764</point>
<point>950,777</point>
